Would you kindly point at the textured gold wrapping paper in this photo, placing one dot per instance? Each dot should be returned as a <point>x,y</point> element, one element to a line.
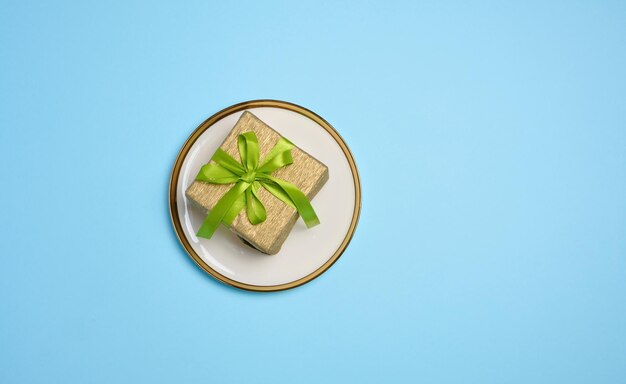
<point>306,173</point>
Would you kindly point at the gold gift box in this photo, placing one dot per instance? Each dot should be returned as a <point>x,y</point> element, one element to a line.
<point>306,173</point>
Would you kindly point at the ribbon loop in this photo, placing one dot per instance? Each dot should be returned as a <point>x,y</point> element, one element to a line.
<point>248,150</point>
<point>213,173</point>
<point>278,157</point>
<point>224,160</point>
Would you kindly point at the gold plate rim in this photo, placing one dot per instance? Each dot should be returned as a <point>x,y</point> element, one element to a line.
<point>172,196</point>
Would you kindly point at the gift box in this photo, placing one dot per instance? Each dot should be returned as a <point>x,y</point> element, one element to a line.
<point>273,196</point>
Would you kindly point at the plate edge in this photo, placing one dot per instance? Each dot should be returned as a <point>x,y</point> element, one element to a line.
<point>172,196</point>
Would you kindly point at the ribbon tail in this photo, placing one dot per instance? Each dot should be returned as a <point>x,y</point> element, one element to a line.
<point>235,209</point>
<point>291,195</point>
<point>222,210</point>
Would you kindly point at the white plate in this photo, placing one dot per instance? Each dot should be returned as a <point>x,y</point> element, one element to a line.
<point>306,253</point>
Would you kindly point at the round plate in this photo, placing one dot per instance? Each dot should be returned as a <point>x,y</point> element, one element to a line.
<point>306,253</point>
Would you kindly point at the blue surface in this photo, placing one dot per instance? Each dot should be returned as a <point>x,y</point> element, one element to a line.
<point>504,260</point>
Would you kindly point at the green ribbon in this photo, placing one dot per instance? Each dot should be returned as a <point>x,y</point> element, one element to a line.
<point>248,177</point>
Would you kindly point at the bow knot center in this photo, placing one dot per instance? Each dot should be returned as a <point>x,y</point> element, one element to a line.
<point>248,177</point>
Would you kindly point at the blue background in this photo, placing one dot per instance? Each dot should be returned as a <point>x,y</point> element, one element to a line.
<point>502,259</point>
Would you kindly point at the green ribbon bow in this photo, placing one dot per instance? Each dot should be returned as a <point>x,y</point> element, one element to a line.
<point>248,176</point>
